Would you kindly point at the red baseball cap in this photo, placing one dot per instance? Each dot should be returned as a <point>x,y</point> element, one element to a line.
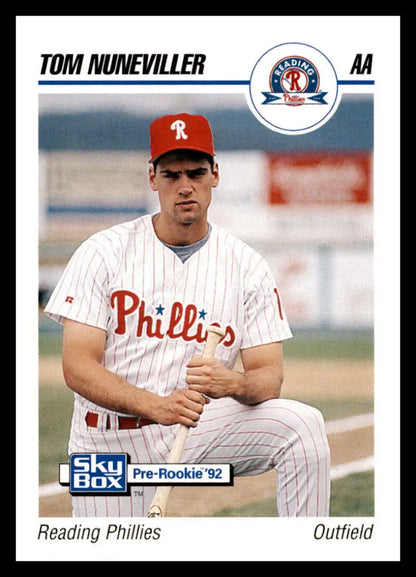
<point>178,131</point>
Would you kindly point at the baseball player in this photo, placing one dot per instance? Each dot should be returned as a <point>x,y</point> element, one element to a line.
<point>135,300</point>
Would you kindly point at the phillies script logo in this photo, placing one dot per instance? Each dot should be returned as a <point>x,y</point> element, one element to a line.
<point>181,322</point>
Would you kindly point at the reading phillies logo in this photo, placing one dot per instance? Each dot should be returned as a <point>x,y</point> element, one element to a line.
<point>294,81</point>
<point>302,88</point>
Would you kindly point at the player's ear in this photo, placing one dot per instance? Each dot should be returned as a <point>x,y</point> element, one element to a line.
<point>152,175</point>
<point>215,175</point>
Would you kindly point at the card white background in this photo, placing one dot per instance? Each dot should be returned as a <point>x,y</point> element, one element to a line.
<point>232,45</point>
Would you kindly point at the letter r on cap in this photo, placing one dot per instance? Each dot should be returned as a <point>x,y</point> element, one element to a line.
<point>179,126</point>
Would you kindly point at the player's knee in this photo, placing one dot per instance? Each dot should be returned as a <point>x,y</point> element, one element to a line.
<point>318,442</point>
<point>311,430</point>
<point>315,417</point>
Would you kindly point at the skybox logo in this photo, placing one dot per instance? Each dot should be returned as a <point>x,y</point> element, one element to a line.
<point>98,473</point>
<point>293,88</point>
<point>112,474</point>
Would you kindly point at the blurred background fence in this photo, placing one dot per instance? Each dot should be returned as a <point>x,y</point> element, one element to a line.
<point>305,202</point>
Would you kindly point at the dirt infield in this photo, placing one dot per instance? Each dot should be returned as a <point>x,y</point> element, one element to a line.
<point>320,380</point>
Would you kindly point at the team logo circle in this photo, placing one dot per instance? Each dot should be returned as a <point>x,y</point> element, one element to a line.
<point>293,88</point>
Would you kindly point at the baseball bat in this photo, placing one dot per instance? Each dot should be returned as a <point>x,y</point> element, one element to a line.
<point>159,503</point>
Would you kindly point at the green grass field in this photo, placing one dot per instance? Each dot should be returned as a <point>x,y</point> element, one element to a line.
<point>55,412</point>
<point>351,496</point>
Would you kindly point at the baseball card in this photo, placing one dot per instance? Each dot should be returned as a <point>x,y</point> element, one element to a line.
<point>207,276</point>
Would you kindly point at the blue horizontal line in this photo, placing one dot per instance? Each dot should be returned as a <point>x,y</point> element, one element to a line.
<point>173,82</point>
<point>368,82</point>
<point>144,82</point>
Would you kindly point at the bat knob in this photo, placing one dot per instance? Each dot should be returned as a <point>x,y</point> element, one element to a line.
<point>216,329</point>
<point>155,511</point>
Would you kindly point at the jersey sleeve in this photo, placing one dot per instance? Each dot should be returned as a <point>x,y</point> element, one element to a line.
<point>82,291</point>
<point>264,316</point>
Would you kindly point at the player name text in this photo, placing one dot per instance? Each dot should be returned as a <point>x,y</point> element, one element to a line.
<point>124,64</point>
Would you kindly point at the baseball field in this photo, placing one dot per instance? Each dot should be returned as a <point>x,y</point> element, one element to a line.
<point>331,371</point>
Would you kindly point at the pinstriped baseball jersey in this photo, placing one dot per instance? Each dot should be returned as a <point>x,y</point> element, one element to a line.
<point>155,308</point>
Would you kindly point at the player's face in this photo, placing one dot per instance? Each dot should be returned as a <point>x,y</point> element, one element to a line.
<point>184,188</point>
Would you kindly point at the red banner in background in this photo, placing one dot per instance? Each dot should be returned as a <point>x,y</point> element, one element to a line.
<point>317,178</point>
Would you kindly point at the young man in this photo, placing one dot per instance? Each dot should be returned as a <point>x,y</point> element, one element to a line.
<point>135,301</point>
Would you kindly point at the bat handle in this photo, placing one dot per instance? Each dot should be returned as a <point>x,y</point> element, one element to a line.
<point>160,499</point>
<point>213,338</point>
<point>176,451</point>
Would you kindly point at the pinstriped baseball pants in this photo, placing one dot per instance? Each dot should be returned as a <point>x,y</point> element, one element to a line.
<point>279,434</point>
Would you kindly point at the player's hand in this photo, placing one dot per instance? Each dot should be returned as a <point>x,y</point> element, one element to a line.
<point>210,377</point>
<point>182,406</point>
